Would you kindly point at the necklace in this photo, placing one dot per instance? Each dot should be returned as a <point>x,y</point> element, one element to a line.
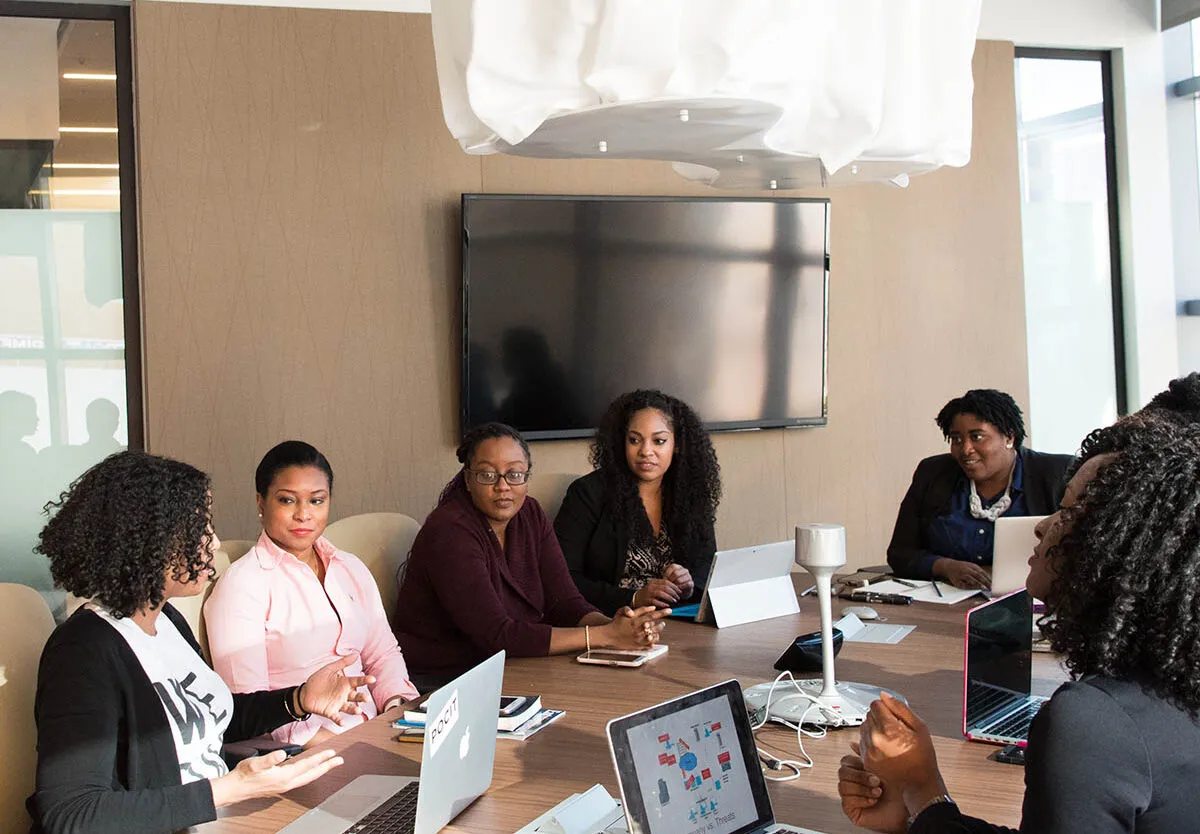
<point>1002,503</point>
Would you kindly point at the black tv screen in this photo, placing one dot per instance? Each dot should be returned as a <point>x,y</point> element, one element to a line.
<point>570,301</point>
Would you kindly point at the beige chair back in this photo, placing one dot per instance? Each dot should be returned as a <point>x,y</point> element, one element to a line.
<point>382,541</point>
<point>192,608</point>
<point>236,548</point>
<point>549,488</point>
<point>25,625</point>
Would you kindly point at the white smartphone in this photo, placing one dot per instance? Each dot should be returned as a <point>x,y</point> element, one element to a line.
<point>620,657</point>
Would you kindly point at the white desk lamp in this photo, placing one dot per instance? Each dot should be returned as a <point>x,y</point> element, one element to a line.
<point>821,550</point>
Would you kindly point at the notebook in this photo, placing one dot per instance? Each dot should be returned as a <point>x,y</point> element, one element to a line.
<point>456,767</point>
<point>998,671</point>
<point>690,765</point>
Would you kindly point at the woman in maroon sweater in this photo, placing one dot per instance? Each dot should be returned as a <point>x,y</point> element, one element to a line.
<point>486,573</point>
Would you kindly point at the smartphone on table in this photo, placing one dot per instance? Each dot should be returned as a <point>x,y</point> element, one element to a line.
<point>621,657</point>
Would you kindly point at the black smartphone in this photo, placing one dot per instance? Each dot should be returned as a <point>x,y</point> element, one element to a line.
<point>804,655</point>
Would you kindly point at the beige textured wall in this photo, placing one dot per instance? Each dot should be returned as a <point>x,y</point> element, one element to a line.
<point>300,265</point>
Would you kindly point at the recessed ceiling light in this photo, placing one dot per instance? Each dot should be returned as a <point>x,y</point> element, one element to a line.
<point>90,76</point>
<point>87,129</point>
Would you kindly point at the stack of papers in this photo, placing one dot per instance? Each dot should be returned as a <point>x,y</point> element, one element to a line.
<point>924,592</point>
<point>856,631</point>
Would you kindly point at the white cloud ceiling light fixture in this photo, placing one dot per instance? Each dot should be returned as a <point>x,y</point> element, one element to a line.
<point>737,93</point>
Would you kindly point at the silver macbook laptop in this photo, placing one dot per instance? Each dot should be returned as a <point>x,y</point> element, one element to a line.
<point>998,671</point>
<point>1011,548</point>
<point>456,767</point>
<point>690,765</point>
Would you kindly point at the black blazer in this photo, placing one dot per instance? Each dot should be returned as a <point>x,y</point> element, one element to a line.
<point>106,757</point>
<point>932,488</point>
<point>595,549</point>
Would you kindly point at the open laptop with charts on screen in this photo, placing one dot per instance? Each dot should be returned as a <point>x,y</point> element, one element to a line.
<point>998,671</point>
<point>689,766</point>
<point>456,767</point>
<point>1011,549</point>
<point>750,584</point>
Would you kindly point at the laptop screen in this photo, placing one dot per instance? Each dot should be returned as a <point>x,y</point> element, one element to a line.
<point>689,766</point>
<point>999,652</point>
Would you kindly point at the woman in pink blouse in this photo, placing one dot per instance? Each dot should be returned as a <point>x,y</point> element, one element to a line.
<point>295,602</point>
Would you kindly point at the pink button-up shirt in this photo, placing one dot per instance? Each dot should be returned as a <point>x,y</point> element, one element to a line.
<point>271,624</point>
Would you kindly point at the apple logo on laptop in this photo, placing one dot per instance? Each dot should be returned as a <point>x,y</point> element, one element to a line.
<point>464,746</point>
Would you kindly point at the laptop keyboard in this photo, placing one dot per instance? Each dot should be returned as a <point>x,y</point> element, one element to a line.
<point>396,815</point>
<point>1017,724</point>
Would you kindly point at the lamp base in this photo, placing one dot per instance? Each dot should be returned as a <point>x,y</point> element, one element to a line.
<point>847,707</point>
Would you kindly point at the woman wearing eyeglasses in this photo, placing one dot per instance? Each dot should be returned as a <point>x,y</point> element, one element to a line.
<point>486,573</point>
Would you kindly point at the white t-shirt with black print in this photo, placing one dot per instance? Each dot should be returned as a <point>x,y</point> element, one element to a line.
<point>197,702</point>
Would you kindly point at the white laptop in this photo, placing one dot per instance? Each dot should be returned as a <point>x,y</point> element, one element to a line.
<point>750,584</point>
<point>456,767</point>
<point>690,765</point>
<point>1011,549</point>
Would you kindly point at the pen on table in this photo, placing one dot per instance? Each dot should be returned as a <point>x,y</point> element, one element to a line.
<point>936,588</point>
<point>808,590</point>
<point>907,584</point>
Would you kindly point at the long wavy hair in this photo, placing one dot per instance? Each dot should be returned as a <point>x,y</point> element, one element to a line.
<point>126,522</point>
<point>1127,586</point>
<point>691,486</point>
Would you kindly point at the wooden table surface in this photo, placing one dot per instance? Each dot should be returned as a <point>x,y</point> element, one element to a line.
<point>572,755</point>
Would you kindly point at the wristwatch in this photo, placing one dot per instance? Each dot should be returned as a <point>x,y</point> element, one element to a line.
<point>937,800</point>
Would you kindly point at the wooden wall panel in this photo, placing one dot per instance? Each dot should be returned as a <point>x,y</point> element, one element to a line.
<point>299,197</point>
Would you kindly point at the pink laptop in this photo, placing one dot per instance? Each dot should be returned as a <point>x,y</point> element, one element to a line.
<point>998,706</point>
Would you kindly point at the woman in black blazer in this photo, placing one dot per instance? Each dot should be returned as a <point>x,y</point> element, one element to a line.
<point>945,526</point>
<point>639,530</point>
<point>130,719</point>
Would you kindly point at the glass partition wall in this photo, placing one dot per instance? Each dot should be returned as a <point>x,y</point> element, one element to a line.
<point>69,362</point>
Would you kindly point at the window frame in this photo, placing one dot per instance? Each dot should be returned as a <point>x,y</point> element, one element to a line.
<point>119,15</point>
<point>1104,58</point>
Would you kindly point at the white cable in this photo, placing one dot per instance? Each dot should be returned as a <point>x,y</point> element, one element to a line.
<point>795,766</point>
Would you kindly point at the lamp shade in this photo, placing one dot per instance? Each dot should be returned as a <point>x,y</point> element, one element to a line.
<point>802,92</point>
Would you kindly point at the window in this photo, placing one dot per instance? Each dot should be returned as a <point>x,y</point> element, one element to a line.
<point>1073,312</point>
<point>70,389</point>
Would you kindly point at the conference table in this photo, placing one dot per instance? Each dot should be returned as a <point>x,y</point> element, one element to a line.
<point>572,754</point>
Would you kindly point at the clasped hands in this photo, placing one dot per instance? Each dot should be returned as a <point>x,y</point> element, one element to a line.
<point>328,692</point>
<point>893,772</point>
<point>675,586</point>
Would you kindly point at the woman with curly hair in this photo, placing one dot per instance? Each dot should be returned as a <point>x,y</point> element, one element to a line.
<point>639,529</point>
<point>486,573</point>
<point>1115,748</point>
<point>295,602</point>
<point>946,523</point>
<point>130,719</point>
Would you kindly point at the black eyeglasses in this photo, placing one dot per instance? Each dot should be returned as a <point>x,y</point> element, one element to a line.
<point>489,477</point>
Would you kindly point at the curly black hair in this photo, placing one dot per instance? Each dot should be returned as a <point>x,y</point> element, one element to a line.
<point>470,443</point>
<point>1127,587</point>
<point>285,454</point>
<point>990,406</point>
<point>123,524</point>
<point>1179,405</point>
<point>691,486</point>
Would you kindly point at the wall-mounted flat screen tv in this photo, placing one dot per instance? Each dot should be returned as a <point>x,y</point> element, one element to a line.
<point>571,301</point>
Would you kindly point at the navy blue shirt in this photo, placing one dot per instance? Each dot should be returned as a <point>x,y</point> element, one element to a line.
<point>959,535</point>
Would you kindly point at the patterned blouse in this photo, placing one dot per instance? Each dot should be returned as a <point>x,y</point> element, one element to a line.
<point>646,562</point>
